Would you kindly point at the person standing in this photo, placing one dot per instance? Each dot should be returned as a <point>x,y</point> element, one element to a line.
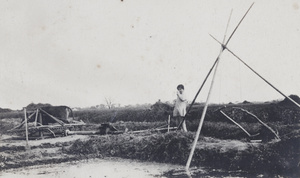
<point>180,107</point>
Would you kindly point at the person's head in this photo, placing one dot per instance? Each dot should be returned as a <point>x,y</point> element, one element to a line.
<point>180,87</point>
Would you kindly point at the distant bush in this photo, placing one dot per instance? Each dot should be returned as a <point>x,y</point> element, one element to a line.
<point>120,114</point>
<point>12,114</point>
<point>157,112</point>
<point>8,113</point>
<point>5,110</point>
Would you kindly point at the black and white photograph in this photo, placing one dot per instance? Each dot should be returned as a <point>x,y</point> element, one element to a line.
<point>149,88</point>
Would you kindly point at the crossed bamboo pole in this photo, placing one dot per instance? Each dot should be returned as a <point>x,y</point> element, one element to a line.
<point>223,47</point>
<point>214,64</point>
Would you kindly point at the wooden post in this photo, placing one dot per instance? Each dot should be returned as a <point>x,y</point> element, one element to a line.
<point>36,117</point>
<point>169,123</point>
<point>26,129</point>
<point>41,122</point>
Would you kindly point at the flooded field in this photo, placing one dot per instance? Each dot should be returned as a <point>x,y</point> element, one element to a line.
<point>107,168</point>
<point>118,168</point>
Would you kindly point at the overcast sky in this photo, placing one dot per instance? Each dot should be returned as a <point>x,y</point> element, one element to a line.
<point>76,53</point>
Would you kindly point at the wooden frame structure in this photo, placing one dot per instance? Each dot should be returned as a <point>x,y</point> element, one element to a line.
<point>62,128</point>
<point>59,127</point>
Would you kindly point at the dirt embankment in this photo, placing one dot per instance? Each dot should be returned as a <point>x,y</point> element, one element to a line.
<point>274,158</point>
<point>14,153</point>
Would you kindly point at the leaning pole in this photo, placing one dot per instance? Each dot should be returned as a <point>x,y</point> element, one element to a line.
<point>223,47</point>
<point>289,98</point>
<point>202,117</point>
<point>216,64</point>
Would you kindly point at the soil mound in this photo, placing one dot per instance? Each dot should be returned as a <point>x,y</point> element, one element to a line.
<point>161,107</point>
<point>283,156</point>
<point>287,102</point>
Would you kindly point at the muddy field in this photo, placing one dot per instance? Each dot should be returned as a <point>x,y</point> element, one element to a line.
<point>222,150</point>
<point>73,149</point>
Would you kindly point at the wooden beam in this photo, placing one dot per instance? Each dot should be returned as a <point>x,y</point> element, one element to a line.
<point>22,123</point>
<point>41,122</point>
<point>57,120</point>
<point>260,121</point>
<point>236,123</point>
<point>141,131</point>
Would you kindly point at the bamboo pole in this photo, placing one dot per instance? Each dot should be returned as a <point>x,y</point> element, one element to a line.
<point>29,117</point>
<point>41,122</point>
<point>236,123</point>
<point>297,104</point>
<point>205,79</point>
<point>51,132</point>
<point>260,121</point>
<point>89,132</point>
<point>202,117</point>
<point>211,86</point>
<point>169,123</point>
<point>22,123</point>
<point>223,46</point>
<point>149,130</point>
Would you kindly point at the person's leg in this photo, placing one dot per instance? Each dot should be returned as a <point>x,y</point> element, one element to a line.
<point>184,126</point>
<point>174,118</point>
<point>173,121</point>
<point>177,120</point>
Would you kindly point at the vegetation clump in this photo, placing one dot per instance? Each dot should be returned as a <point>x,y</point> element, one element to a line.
<point>167,148</point>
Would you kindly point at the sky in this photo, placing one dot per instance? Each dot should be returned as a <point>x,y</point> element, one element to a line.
<point>77,53</point>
